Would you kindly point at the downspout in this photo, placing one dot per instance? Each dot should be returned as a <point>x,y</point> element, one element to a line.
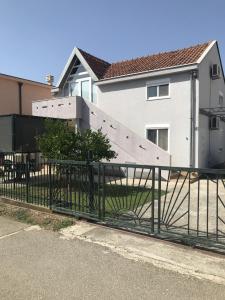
<point>193,78</point>
<point>20,84</point>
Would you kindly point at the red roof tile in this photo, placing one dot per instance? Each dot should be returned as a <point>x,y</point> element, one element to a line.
<point>156,61</point>
<point>105,70</point>
<point>99,66</point>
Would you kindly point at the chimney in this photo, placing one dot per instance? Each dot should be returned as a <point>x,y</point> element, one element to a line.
<point>49,79</point>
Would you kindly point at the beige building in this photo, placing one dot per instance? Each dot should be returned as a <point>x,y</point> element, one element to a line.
<point>17,94</point>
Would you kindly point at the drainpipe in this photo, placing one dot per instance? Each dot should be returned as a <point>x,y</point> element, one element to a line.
<point>193,77</point>
<point>20,84</point>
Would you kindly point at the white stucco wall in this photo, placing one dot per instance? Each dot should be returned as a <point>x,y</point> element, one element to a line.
<point>126,102</point>
<point>211,142</point>
<point>62,108</point>
<point>129,146</point>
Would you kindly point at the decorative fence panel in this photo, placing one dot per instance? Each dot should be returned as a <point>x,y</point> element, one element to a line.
<point>179,204</point>
<point>193,205</point>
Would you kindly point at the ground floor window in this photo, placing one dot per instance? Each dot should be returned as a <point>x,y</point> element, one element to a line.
<point>158,136</point>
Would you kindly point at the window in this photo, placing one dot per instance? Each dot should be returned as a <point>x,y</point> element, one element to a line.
<point>74,89</point>
<point>163,90</point>
<point>94,93</point>
<point>214,123</point>
<point>77,69</point>
<point>158,136</point>
<point>221,99</point>
<point>66,90</point>
<point>79,87</point>
<point>157,91</point>
<point>85,89</point>
<point>78,83</point>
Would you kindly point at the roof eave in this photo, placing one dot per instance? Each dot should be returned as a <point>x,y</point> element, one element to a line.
<point>24,80</point>
<point>220,60</point>
<point>158,72</point>
<point>206,51</point>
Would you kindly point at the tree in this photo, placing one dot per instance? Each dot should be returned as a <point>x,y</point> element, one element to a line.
<point>62,142</point>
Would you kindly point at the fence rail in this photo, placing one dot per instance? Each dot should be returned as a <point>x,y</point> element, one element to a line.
<point>181,204</point>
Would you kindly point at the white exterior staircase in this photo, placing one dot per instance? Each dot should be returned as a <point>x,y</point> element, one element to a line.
<point>130,147</point>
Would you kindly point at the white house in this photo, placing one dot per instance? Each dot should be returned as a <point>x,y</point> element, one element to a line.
<point>165,109</point>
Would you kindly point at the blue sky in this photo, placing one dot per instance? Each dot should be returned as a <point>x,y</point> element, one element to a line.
<point>37,36</point>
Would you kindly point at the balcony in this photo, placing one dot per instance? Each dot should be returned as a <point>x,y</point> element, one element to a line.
<point>62,108</point>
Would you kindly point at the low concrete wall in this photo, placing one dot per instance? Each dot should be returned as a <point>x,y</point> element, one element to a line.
<point>24,204</point>
<point>62,108</point>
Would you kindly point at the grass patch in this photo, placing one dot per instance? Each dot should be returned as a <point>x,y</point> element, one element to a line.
<point>23,215</point>
<point>63,224</point>
<point>32,217</point>
<point>118,196</point>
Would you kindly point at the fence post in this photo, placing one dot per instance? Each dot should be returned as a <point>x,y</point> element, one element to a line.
<point>159,199</point>
<point>103,192</point>
<point>27,176</point>
<point>99,193</point>
<point>217,207</point>
<point>91,180</point>
<point>50,185</point>
<point>153,200</point>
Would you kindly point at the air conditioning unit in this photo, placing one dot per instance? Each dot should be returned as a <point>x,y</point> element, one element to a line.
<point>214,123</point>
<point>215,71</point>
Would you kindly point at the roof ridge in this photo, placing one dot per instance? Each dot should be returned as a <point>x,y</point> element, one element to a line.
<point>161,53</point>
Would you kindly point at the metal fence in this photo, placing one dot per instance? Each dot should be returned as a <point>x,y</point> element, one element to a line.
<point>25,177</point>
<point>180,204</point>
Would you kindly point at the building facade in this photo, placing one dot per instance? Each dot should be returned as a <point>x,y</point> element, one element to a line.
<point>17,94</point>
<point>165,109</point>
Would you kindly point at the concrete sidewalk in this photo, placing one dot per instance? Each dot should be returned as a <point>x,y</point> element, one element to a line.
<point>163,254</point>
<point>92,262</point>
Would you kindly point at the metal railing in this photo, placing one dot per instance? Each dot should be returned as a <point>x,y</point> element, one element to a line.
<point>25,177</point>
<point>180,204</point>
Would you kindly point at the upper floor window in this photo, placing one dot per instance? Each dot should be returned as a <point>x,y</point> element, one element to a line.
<point>220,98</point>
<point>79,83</point>
<point>157,90</point>
<point>77,70</point>
<point>80,87</point>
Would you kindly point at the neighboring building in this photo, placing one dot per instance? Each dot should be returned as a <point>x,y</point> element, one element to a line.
<point>18,133</point>
<point>17,94</point>
<point>164,109</point>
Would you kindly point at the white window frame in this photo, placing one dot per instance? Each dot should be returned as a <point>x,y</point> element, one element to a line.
<point>157,83</point>
<point>79,86</point>
<point>157,127</point>
<point>92,92</point>
<point>221,95</point>
<point>79,80</point>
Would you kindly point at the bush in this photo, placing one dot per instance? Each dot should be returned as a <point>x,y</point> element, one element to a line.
<point>64,143</point>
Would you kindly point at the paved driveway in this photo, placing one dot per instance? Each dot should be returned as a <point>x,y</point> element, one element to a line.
<point>38,264</point>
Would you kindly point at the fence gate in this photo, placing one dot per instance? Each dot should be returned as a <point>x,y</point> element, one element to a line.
<point>73,189</point>
<point>127,194</point>
<point>121,195</point>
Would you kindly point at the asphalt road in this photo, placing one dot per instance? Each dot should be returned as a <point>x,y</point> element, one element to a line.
<point>37,264</point>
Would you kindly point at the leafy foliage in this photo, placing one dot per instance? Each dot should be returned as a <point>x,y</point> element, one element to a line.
<point>62,142</point>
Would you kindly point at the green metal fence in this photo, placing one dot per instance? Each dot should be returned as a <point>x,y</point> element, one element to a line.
<point>180,204</point>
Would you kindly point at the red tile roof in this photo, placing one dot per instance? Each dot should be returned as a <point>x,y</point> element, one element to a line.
<point>99,66</point>
<point>105,70</point>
